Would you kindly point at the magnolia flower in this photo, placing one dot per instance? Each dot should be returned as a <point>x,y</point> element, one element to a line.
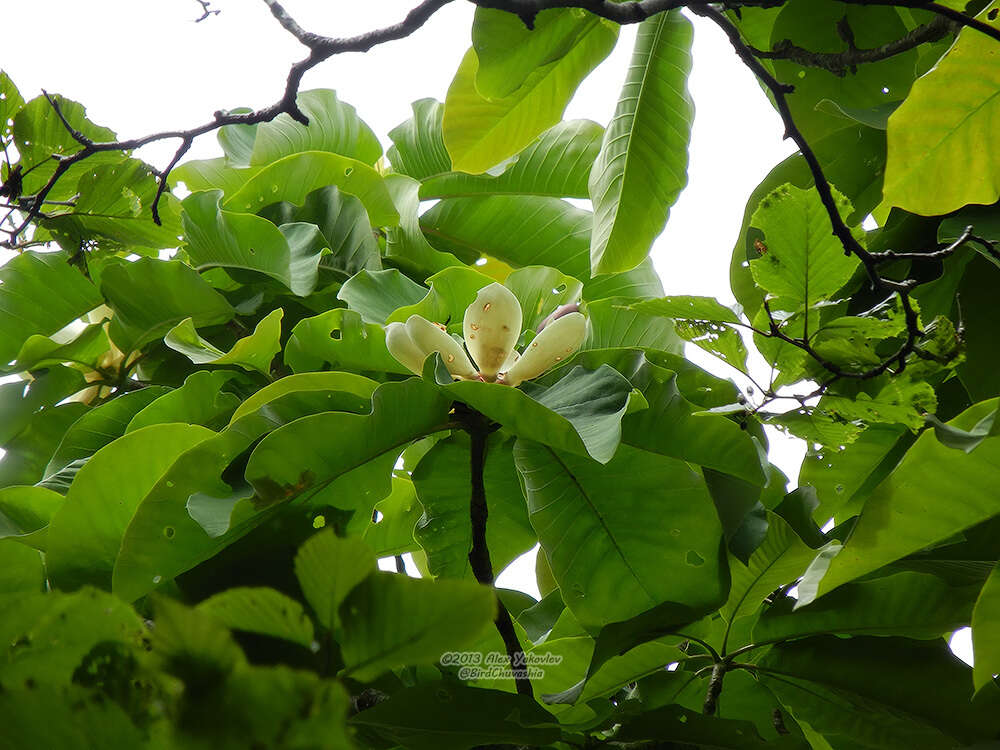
<point>492,327</point>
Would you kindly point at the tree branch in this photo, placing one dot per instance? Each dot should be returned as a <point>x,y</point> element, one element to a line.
<point>479,429</point>
<point>840,63</point>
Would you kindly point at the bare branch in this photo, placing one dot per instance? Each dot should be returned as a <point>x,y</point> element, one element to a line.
<point>841,63</point>
<point>206,11</point>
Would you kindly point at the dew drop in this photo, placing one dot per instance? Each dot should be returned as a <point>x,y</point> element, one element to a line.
<point>157,578</point>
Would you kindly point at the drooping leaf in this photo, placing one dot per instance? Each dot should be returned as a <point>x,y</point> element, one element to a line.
<point>149,297</point>
<point>342,220</point>
<point>253,352</point>
<point>906,512</point>
<point>642,166</point>
<point>418,145</point>
<point>216,237</point>
<point>260,610</point>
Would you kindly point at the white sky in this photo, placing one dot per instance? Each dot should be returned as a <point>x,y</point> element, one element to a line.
<point>141,67</point>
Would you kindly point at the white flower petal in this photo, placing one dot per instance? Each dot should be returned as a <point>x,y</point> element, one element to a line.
<point>558,341</point>
<point>492,325</point>
<point>401,346</point>
<point>430,338</point>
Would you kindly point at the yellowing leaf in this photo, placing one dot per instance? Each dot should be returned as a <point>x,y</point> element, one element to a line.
<point>939,159</point>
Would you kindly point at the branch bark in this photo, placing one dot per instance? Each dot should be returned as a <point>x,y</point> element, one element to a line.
<point>479,554</point>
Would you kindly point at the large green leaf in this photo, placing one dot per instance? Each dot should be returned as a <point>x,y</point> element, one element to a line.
<point>802,262</point>
<point>339,340</point>
<point>405,244</point>
<point>30,277</point>
<point>260,610</point>
<point>684,727</point>
<point>294,177</point>
<point>519,230</point>
<point>150,297</point>
<point>391,620</point>
<point>916,605</point>
<point>509,51</point>
<point>200,400</point>
<point>85,534</point>
<point>936,135</point>
<point>114,204</point>
<point>328,568</point>
<point>87,349</point>
<point>442,479</point>
<point>375,295</point>
<point>909,511</point>
<point>986,631</point>
<point>672,426</point>
<point>253,352</point>
<point>333,126</point>
<point>47,636</point>
<point>642,282</point>
<point>581,413</point>
<point>642,166</point>
<point>624,537</point>
<point>614,325</point>
<point>166,536</point>
<point>480,133</point>
<point>451,292</point>
<point>30,450</point>
<point>39,135</point>
<point>813,25</point>
<point>343,222</point>
<point>418,146</point>
<point>26,509</point>
<point>442,714</point>
<point>215,237</point>
<point>556,164</point>
<point>780,559</point>
<point>880,692</point>
<point>320,448</point>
